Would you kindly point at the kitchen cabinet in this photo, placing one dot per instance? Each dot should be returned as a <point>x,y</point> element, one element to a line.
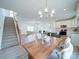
<point>64,22</point>
<point>75,39</point>
<point>75,22</point>
<point>78,22</point>
<point>69,23</point>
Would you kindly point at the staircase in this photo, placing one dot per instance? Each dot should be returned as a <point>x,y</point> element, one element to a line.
<point>9,37</point>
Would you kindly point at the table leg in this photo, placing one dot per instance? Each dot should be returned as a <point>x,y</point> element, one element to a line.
<point>30,57</point>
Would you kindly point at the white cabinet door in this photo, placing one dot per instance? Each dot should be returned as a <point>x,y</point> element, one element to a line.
<point>75,39</point>
<point>78,22</point>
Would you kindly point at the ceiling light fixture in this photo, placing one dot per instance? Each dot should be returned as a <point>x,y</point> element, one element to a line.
<point>46,12</point>
<point>65,9</point>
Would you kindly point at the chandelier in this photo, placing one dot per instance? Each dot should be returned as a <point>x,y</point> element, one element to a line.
<point>45,12</point>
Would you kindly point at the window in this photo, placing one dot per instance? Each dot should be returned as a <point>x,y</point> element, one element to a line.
<point>30,28</point>
<point>11,13</point>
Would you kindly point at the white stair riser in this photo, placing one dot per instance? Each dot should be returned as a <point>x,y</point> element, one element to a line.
<point>9,33</point>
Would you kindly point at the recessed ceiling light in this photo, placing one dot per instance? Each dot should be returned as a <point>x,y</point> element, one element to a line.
<point>65,9</point>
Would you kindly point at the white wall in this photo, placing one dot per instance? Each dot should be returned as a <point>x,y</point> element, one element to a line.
<point>38,25</point>
<point>1,25</point>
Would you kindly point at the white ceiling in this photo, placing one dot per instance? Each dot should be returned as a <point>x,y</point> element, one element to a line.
<point>30,8</point>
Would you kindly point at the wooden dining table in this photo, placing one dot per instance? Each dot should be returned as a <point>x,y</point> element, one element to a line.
<point>37,50</point>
